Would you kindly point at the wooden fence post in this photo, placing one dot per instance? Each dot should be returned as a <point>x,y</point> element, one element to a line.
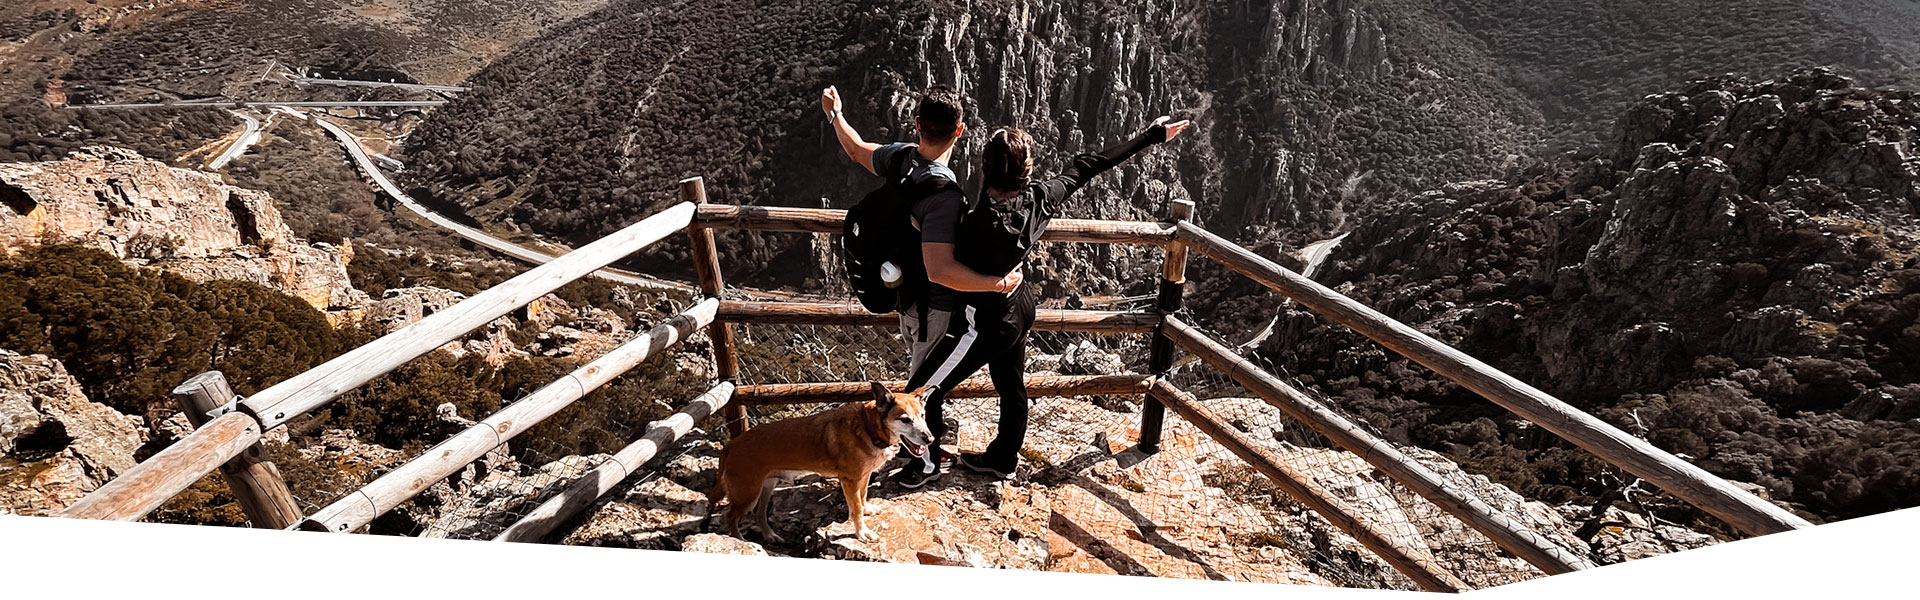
<point>1173,280</point>
<point>255,481</point>
<point>706,263</point>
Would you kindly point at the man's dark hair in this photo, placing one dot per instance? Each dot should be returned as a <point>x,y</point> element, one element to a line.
<point>939,112</point>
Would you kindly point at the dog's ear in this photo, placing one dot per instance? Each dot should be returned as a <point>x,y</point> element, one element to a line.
<point>882,399</point>
<point>925,391</point>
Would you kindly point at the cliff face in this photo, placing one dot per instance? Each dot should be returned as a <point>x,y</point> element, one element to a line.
<point>1734,277</point>
<point>187,222</point>
<point>1304,110</point>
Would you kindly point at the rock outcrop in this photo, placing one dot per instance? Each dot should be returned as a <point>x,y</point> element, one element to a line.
<point>183,221</point>
<point>55,445</point>
<point>1736,277</point>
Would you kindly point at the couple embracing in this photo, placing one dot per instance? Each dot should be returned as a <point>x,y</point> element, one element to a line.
<point>962,297</point>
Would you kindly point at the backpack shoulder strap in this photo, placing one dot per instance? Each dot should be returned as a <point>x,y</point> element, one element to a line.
<point>896,167</point>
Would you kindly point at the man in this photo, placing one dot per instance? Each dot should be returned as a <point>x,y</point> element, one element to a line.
<point>938,121</point>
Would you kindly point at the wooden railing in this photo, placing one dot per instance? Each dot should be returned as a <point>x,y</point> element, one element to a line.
<point>149,484</point>
<point>233,430</point>
<point>1717,496</point>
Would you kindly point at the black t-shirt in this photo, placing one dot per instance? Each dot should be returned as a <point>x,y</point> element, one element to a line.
<point>1048,198</point>
<point>936,216</point>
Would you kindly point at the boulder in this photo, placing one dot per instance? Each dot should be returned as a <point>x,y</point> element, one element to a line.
<point>55,445</point>
<point>1084,358</point>
<point>719,544</point>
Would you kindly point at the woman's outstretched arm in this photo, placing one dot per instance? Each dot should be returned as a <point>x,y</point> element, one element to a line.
<point>1086,166</point>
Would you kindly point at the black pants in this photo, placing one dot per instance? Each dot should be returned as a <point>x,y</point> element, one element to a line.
<point>988,330</point>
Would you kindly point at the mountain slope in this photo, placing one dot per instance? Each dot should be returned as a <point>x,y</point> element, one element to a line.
<point>1736,276</point>
<point>1306,110</point>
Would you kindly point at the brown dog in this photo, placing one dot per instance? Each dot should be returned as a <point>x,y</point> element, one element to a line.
<point>847,443</point>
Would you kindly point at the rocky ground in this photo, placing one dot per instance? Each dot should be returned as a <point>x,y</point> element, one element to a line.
<point>55,444</point>
<point>1084,501</point>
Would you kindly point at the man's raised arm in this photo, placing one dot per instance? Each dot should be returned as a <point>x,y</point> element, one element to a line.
<point>861,151</point>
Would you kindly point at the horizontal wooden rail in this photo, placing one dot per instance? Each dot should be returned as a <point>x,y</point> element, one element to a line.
<point>448,457</point>
<point>852,315</point>
<point>1413,561</point>
<point>317,387</point>
<point>1038,386</point>
<point>150,484</point>
<point>1717,496</point>
<point>1514,537</point>
<point>580,494</point>
<point>829,220</point>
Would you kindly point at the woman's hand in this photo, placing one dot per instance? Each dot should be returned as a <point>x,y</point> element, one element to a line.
<point>830,100</point>
<point>1173,129</point>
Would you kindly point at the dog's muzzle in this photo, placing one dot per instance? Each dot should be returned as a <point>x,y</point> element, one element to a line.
<point>918,450</point>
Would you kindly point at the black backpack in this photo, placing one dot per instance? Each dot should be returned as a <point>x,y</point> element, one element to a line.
<point>996,234</point>
<point>879,231</point>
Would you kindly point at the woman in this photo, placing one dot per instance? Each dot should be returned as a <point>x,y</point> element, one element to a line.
<point>991,329</point>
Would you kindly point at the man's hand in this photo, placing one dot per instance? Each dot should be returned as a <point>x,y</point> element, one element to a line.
<point>830,100</point>
<point>1011,283</point>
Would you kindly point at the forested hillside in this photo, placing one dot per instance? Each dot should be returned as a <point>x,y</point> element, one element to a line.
<point>94,51</point>
<point>1584,61</point>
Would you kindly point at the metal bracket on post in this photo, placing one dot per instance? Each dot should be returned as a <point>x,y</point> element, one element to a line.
<point>231,406</point>
<point>255,482</point>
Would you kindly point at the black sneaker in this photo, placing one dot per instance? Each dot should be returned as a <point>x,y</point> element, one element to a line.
<point>917,473</point>
<point>945,460</point>
<point>976,462</point>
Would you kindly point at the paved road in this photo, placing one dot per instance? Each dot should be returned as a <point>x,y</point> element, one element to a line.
<point>511,249</point>
<point>247,138</point>
<point>1316,253</point>
<point>298,80</point>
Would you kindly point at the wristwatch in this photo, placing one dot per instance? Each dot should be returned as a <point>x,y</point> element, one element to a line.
<point>833,114</point>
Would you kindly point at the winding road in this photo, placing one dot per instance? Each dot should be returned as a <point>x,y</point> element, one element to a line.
<point>522,253</point>
<point>1316,253</point>
<point>247,138</point>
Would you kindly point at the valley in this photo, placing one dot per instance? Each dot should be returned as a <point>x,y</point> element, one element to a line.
<point>1696,220</point>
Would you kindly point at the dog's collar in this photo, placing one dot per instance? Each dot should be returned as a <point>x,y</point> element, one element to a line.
<point>873,430</point>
